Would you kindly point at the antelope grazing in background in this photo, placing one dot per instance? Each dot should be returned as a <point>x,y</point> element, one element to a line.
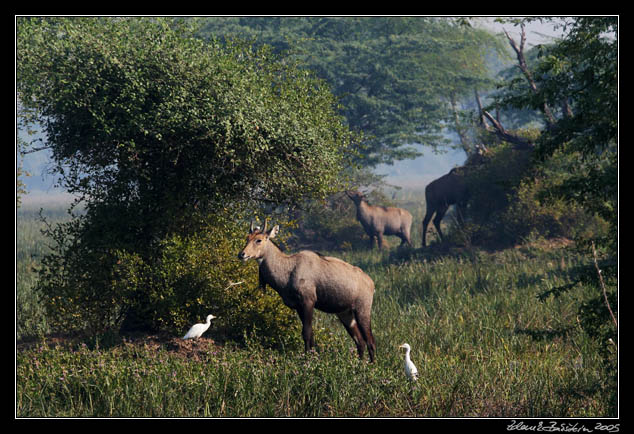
<point>449,189</point>
<point>307,280</point>
<point>379,220</point>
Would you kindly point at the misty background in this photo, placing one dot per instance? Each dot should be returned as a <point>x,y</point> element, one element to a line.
<point>412,174</point>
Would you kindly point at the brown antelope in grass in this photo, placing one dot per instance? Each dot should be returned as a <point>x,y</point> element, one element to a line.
<point>308,280</point>
<point>452,189</point>
<point>449,189</point>
<point>379,220</point>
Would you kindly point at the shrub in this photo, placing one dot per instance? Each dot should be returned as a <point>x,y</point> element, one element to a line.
<point>510,202</point>
<point>191,276</point>
<point>492,187</point>
<point>76,283</point>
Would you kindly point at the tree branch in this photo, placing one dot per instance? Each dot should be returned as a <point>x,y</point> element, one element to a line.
<point>498,129</point>
<point>519,52</point>
<point>459,129</point>
<point>518,141</point>
<point>480,109</point>
<point>605,295</point>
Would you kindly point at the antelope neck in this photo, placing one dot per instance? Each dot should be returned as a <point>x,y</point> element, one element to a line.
<point>274,259</point>
<point>363,207</point>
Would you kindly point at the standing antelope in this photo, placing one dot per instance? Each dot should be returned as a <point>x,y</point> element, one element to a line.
<point>307,280</point>
<point>452,189</point>
<point>447,190</point>
<point>379,220</point>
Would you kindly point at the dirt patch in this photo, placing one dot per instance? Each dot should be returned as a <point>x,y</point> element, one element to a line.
<point>194,349</point>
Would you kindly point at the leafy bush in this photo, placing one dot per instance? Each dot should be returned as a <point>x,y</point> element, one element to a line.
<point>75,281</point>
<point>192,276</point>
<point>492,187</point>
<point>157,130</point>
<point>510,201</point>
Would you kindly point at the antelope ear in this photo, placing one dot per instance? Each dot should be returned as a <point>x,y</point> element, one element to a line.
<point>274,230</point>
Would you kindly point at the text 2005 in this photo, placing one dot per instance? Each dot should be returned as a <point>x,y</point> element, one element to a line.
<point>607,428</point>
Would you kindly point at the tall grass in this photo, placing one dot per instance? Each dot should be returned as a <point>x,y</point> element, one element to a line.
<point>483,344</point>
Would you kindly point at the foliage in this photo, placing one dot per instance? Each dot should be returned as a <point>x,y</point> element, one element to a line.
<point>156,131</point>
<point>490,193</point>
<point>396,77</point>
<point>493,197</point>
<point>580,74</point>
<point>141,114</point>
<point>190,278</point>
<point>510,200</point>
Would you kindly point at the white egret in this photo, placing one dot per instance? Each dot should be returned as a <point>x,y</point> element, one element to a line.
<point>410,368</point>
<point>198,329</point>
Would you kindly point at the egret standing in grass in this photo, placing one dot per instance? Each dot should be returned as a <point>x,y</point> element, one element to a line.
<point>410,368</point>
<point>198,329</point>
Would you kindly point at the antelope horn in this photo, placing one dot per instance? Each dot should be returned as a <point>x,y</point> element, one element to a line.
<point>251,230</point>
<point>264,230</point>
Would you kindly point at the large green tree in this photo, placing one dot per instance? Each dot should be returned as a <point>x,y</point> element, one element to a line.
<point>166,138</point>
<point>141,115</point>
<point>581,74</point>
<point>400,79</point>
<point>574,84</point>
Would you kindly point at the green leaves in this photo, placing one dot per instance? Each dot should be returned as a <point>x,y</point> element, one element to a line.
<point>223,115</point>
<point>393,75</point>
<point>157,131</point>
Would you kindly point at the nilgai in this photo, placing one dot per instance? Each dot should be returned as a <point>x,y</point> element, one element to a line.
<point>447,190</point>
<point>379,220</point>
<point>307,280</point>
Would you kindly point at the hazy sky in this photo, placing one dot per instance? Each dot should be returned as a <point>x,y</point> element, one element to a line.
<point>536,32</point>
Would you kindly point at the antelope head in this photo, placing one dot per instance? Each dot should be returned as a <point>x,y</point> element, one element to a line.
<point>257,241</point>
<point>356,196</point>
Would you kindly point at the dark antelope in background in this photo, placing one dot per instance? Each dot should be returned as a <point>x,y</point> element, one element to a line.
<point>307,280</point>
<point>449,189</point>
<point>379,220</point>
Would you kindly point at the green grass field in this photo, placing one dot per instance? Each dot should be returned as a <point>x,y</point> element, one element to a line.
<point>484,345</point>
